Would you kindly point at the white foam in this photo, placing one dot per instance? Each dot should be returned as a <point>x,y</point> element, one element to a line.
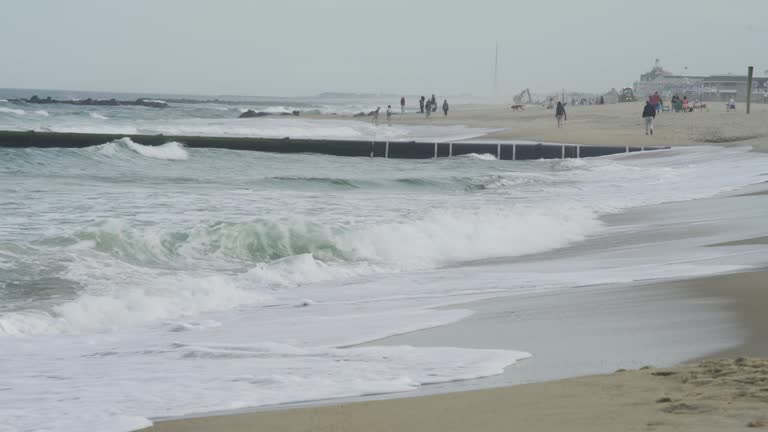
<point>480,156</point>
<point>98,116</point>
<point>42,113</point>
<point>265,127</point>
<point>168,151</point>
<point>12,111</point>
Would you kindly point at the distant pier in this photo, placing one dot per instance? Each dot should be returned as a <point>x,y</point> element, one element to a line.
<point>378,149</point>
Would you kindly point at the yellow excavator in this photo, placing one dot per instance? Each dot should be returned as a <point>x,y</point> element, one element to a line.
<point>627,95</point>
<point>524,97</point>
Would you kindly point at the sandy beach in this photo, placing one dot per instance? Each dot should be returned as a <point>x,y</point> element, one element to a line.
<point>612,124</point>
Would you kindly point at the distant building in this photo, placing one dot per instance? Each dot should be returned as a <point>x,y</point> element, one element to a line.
<point>709,88</point>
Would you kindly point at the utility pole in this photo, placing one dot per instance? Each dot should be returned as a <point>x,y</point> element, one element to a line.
<point>496,72</point>
<point>750,70</point>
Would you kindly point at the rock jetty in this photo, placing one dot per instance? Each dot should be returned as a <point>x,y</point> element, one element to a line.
<point>151,103</point>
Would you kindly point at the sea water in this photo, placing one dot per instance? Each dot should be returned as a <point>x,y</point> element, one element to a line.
<point>142,282</point>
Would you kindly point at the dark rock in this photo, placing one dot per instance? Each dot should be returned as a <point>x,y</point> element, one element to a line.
<point>251,113</point>
<point>94,102</point>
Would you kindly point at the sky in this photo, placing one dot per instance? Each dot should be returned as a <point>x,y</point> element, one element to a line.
<point>304,47</point>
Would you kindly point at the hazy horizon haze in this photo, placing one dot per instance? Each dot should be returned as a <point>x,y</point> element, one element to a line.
<point>304,47</point>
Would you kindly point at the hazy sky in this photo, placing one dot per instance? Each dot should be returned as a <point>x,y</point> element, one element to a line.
<point>302,47</point>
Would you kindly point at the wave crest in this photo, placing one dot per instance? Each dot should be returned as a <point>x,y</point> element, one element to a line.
<point>168,151</point>
<point>12,111</point>
<point>435,239</point>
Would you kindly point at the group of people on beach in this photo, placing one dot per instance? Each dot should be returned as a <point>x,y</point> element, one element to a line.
<point>655,106</point>
<point>429,106</point>
<point>426,106</point>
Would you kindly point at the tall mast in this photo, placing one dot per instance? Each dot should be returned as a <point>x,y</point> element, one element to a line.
<point>496,71</point>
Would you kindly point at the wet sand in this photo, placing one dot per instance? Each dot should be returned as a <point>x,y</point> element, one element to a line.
<point>722,395</point>
<point>704,396</point>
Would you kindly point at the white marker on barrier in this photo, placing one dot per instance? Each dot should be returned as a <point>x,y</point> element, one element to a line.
<point>514,151</point>
<point>450,149</point>
<point>386,150</point>
<point>498,151</point>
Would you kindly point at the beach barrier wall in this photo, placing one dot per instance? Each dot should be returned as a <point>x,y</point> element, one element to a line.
<point>378,149</point>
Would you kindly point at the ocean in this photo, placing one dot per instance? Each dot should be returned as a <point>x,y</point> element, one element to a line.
<point>145,282</point>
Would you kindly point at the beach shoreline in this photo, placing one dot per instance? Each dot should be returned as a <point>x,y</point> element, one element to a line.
<point>669,314</point>
<point>644,399</point>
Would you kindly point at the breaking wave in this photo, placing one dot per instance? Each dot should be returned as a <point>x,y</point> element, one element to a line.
<point>168,151</point>
<point>12,111</point>
<point>480,156</point>
<point>135,275</point>
<point>439,238</point>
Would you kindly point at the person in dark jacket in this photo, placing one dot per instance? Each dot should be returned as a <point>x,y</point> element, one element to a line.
<point>445,107</point>
<point>649,113</point>
<point>560,114</point>
<point>434,103</point>
<point>421,105</point>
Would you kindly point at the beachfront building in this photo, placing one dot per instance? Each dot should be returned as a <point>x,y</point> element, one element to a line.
<point>707,88</point>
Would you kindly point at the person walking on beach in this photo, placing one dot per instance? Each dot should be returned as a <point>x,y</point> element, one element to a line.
<point>375,115</point>
<point>389,115</point>
<point>656,101</point>
<point>421,105</point>
<point>649,113</point>
<point>433,103</point>
<point>560,114</point>
<point>428,107</point>
<point>445,107</point>
<point>402,105</point>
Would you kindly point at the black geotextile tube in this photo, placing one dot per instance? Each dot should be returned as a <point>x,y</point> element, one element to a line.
<point>393,149</point>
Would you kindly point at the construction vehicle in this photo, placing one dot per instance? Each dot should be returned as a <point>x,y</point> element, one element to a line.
<point>627,95</point>
<point>523,98</point>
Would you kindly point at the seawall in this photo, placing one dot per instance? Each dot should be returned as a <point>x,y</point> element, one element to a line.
<point>385,149</point>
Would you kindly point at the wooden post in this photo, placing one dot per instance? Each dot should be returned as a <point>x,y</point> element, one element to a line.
<point>750,70</point>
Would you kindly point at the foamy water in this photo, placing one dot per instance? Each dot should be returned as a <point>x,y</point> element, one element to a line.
<point>140,282</point>
<point>221,119</point>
